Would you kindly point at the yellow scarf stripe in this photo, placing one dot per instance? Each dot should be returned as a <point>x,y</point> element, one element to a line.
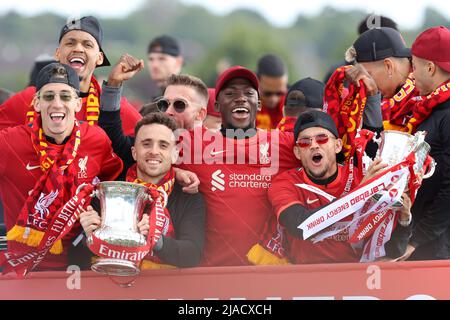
<point>257,255</point>
<point>33,239</point>
<point>147,265</point>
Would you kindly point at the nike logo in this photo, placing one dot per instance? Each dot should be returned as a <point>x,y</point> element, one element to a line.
<point>214,153</point>
<point>32,167</point>
<point>311,201</point>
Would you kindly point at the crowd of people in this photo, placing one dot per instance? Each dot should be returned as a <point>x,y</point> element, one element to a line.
<point>256,171</point>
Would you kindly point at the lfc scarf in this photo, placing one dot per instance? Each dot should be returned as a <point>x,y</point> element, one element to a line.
<point>421,107</point>
<point>55,187</point>
<point>346,110</point>
<point>91,103</point>
<point>396,111</point>
<point>166,184</point>
<point>287,124</point>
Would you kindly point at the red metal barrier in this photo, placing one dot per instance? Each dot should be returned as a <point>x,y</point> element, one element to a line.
<point>403,280</point>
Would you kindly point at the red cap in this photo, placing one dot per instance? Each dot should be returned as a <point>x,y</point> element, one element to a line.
<point>434,45</point>
<point>236,72</point>
<point>211,101</point>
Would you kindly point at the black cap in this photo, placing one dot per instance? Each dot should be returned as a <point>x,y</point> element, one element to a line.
<point>40,62</point>
<point>90,25</point>
<point>314,118</point>
<point>164,44</point>
<point>58,73</point>
<point>380,43</point>
<point>312,90</point>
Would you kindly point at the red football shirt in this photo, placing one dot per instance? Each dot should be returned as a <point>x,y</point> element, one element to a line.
<point>284,193</point>
<point>287,124</point>
<point>13,112</point>
<point>234,183</point>
<point>19,172</point>
<point>269,118</point>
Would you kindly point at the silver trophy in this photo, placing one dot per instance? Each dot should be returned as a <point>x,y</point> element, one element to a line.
<point>121,206</point>
<point>395,146</point>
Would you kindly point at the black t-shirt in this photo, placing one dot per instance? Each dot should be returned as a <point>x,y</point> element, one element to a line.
<point>187,212</point>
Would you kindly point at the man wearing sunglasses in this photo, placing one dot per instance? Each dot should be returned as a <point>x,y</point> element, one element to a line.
<point>185,100</point>
<point>273,80</point>
<point>235,191</point>
<point>43,163</point>
<point>80,46</point>
<point>298,193</point>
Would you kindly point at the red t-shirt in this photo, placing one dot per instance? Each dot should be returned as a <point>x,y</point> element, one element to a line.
<point>235,189</point>
<point>13,111</point>
<point>269,118</point>
<point>287,124</point>
<point>19,172</point>
<point>284,193</point>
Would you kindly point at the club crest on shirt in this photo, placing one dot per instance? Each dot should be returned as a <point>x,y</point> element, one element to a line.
<point>264,157</point>
<point>44,201</point>
<point>82,164</point>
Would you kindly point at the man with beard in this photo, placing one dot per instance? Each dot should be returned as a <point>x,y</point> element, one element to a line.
<point>298,193</point>
<point>80,46</point>
<point>154,151</point>
<point>235,166</point>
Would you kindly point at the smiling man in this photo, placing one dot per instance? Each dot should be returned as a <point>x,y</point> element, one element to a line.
<point>43,163</point>
<point>80,46</point>
<point>154,151</point>
<point>235,165</point>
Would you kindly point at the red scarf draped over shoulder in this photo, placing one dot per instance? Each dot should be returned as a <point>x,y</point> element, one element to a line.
<point>55,187</point>
<point>167,183</point>
<point>407,110</point>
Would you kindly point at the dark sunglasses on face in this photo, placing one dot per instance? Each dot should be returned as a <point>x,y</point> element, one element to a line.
<point>178,105</point>
<point>269,93</point>
<point>307,141</point>
<point>49,96</point>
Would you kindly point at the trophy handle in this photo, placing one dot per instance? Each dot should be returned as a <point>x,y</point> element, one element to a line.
<point>431,168</point>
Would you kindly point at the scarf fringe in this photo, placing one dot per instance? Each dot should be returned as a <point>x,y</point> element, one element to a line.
<point>33,239</point>
<point>148,264</point>
<point>257,255</point>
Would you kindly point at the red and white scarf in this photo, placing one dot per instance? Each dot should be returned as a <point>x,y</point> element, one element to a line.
<point>345,109</point>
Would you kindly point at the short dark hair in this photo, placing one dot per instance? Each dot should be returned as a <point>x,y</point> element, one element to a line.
<point>271,65</point>
<point>190,81</point>
<point>384,22</point>
<point>158,118</point>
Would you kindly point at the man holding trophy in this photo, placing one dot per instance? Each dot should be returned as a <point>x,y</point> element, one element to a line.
<point>331,204</point>
<point>181,222</point>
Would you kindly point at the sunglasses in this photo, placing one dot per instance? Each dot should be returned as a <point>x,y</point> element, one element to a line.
<point>269,93</point>
<point>178,105</point>
<point>307,141</point>
<point>64,96</point>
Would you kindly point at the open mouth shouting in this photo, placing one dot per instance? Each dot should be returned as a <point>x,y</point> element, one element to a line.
<point>317,159</point>
<point>77,63</point>
<point>240,113</point>
<point>57,117</point>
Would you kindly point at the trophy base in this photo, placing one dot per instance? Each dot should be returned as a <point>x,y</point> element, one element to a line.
<point>115,267</point>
